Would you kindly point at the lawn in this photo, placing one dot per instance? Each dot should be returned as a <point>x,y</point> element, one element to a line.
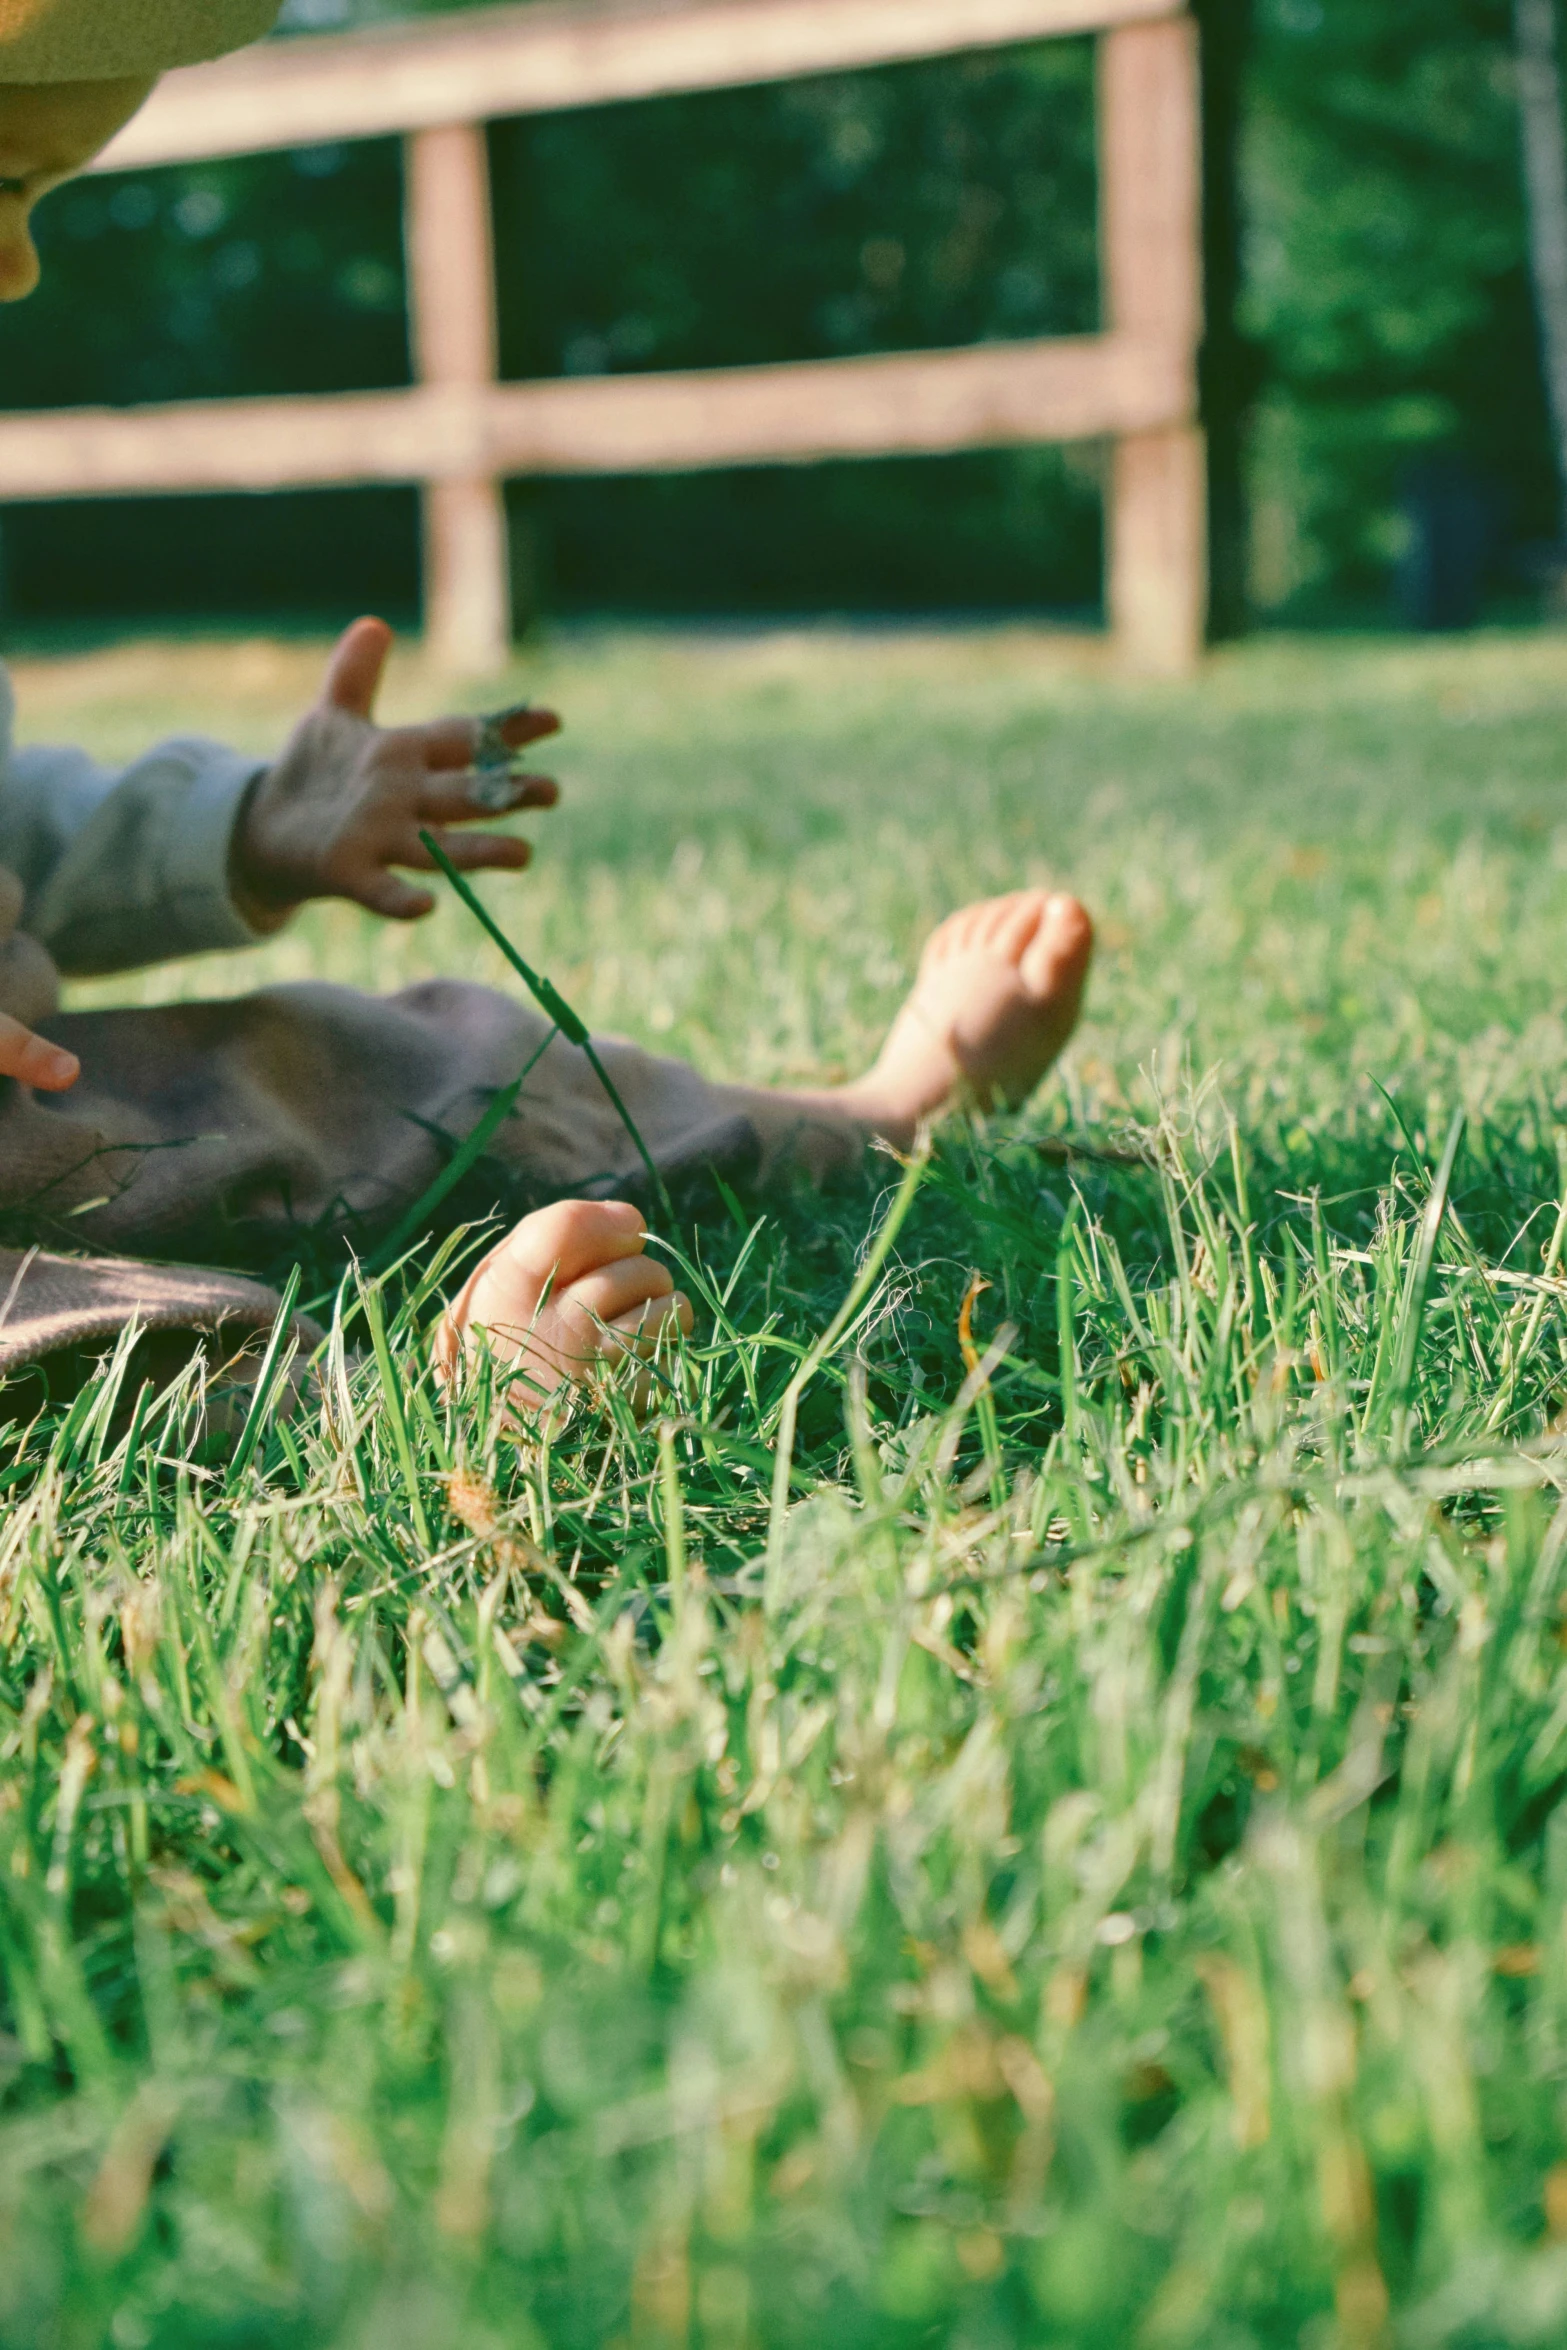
<point>1026,1814</point>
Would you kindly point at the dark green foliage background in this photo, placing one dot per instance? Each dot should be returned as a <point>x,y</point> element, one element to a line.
<point>1386,310</point>
<point>1387,281</point>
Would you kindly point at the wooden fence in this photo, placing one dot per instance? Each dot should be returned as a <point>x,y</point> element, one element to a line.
<point>459,431</point>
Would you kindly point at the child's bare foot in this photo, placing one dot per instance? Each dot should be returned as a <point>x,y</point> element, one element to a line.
<point>999,990</point>
<point>566,1289</point>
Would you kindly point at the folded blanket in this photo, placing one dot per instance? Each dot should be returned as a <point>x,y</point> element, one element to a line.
<point>49,1304</point>
<point>226,1132</point>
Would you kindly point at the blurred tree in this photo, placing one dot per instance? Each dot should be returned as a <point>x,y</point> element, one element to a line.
<point>937,204</point>
<point>282,273</point>
<point>1231,369</point>
<point>932,205</point>
<point>1382,334</point>
<point>1545,183</point>
<point>1388,286</point>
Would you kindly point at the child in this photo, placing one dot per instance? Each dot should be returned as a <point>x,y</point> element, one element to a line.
<point>212,1130</point>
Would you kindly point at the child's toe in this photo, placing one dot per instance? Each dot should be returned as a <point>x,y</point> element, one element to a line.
<point>1061,949</point>
<point>1016,923</point>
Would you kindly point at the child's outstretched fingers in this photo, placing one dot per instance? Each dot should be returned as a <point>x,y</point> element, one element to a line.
<point>32,1060</point>
<point>341,812</point>
<point>571,1287</point>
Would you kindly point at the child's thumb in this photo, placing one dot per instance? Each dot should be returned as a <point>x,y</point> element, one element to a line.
<point>353,677</point>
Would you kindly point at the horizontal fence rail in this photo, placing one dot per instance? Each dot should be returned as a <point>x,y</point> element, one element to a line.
<point>459,432</point>
<point>545,59</point>
<point>926,404</point>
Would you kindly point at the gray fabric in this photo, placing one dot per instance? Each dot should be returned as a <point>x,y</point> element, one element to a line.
<point>221,1129</point>
<point>121,868</point>
<point>218,1130</point>
<point>49,1304</point>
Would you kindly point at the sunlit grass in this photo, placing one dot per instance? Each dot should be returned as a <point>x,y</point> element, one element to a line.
<point>1075,1856</point>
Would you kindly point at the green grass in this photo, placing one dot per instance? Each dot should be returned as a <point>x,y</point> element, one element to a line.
<point>1069,1848</point>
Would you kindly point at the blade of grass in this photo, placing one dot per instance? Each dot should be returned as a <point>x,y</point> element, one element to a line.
<point>392,1401</point>
<point>273,1366</point>
<point>1537,1312</point>
<point>869,1274</point>
<point>467,1154</point>
<point>1420,1281</point>
<point>674,1517</point>
<point>1066,1320</point>
<point>550,1001</point>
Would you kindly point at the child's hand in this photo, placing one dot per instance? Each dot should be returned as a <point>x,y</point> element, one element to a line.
<point>347,800</point>
<point>33,1060</point>
<point>570,1288</point>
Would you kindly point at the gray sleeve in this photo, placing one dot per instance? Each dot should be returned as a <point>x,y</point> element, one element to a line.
<point>129,867</point>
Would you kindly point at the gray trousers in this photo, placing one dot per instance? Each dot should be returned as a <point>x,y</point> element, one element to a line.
<point>214,1134</point>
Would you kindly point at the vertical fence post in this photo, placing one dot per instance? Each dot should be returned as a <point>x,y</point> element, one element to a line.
<point>451,280</point>
<point>1151,180</point>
